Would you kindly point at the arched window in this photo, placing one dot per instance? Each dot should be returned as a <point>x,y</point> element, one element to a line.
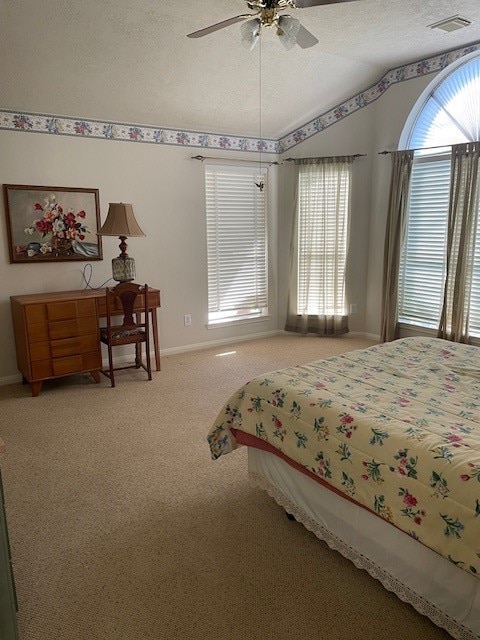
<point>447,112</point>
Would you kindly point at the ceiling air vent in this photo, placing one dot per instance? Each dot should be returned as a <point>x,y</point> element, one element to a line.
<point>451,24</point>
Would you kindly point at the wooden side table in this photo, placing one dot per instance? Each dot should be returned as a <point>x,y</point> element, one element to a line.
<point>57,334</point>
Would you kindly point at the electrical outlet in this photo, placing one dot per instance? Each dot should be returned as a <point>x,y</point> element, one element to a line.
<point>187,320</point>
<point>353,309</point>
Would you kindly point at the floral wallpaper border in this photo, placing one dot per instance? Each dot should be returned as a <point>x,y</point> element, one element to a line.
<point>84,128</point>
<point>366,97</point>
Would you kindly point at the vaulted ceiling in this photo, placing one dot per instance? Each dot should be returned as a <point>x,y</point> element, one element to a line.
<point>130,61</point>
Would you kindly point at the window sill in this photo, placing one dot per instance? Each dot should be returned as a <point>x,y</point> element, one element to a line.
<point>237,321</point>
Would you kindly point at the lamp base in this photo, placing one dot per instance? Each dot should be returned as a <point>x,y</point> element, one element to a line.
<point>123,269</point>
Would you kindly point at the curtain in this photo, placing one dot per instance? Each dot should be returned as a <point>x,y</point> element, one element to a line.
<point>402,162</point>
<point>461,239</point>
<point>318,250</point>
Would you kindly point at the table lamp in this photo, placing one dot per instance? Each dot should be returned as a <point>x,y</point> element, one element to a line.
<point>121,222</point>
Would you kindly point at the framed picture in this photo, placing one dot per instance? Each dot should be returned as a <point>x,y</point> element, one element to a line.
<point>52,224</point>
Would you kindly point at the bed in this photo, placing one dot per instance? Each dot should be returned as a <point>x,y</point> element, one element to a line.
<point>377,451</point>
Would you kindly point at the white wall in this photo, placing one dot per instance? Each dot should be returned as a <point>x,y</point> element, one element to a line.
<point>166,188</point>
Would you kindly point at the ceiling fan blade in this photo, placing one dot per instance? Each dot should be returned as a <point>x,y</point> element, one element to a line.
<point>217,26</point>
<point>305,39</point>
<point>304,4</point>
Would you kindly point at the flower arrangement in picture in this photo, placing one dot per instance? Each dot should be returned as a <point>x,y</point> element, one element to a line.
<point>64,228</point>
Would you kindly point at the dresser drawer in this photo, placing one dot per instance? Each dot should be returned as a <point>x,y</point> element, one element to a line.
<point>64,366</point>
<point>63,329</point>
<point>69,309</point>
<point>68,347</point>
<point>76,364</point>
<point>42,370</point>
<point>35,313</point>
<point>92,360</point>
<point>153,301</point>
<point>74,346</point>
<point>37,332</point>
<point>53,367</point>
<point>39,351</point>
<point>72,328</point>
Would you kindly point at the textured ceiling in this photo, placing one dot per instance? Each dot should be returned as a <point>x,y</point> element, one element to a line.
<point>130,61</point>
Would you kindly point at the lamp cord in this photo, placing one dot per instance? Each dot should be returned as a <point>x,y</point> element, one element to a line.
<point>87,278</point>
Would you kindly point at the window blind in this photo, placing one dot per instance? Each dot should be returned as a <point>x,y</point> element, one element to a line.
<point>323,205</point>
<point>422,267</point>
<point>236,242</point>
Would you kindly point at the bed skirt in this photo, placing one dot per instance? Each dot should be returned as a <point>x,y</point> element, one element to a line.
<point>435,587</point>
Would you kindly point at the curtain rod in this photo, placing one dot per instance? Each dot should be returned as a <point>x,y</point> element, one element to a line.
<point>202,158</point>
<point>440,146</point>
<point>356,155</point>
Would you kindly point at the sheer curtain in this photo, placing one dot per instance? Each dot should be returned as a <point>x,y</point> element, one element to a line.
<point>461,239</point>
<point>318,249</point>
<point>402,162</point>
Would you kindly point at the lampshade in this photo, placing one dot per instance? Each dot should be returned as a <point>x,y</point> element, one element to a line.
<point>121,222</point>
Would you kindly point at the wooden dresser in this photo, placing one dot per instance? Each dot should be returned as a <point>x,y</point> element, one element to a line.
<point>57,334</point>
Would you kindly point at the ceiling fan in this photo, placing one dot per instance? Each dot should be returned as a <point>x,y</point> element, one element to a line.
<point>288,29</point>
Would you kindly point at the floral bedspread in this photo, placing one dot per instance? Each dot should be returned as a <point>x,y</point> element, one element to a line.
<point>396,427</point>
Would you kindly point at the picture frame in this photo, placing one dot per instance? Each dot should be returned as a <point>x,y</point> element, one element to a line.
<point>52,224</point>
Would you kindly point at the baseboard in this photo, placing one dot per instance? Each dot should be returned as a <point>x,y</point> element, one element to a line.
<point>363,334</point>
<point>12,379</point>
<point>218,343</point>
<point>17,377</point>
<point>352,334</point>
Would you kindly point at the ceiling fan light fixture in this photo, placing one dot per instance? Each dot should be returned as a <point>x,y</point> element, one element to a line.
<point>250,31</point>
<point>287,31</point>
<point>291,26</point>
<point>286,41</point>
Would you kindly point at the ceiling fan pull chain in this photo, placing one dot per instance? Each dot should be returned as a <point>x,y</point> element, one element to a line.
<point>261,182</point>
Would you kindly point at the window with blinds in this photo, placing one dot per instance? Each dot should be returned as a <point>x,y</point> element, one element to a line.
<point>236,243</point>
<point>448,113</point>
<point>323,207</point>
<point>422,267</point>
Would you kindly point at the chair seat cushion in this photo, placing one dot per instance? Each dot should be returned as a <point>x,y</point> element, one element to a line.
<point>122,333</point>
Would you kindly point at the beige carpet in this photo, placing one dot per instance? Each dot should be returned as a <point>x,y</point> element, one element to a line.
<point>122,528</point>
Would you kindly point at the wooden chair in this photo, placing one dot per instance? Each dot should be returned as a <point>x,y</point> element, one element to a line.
<point>120,300</point>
